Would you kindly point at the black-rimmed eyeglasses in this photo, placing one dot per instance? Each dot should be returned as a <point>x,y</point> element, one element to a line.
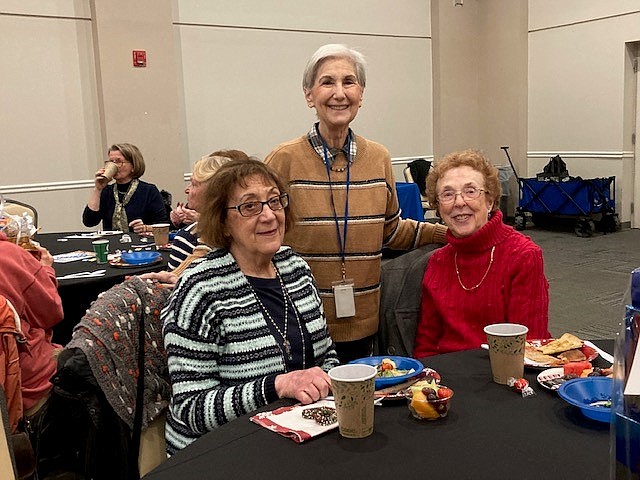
<point>251,209</point>
<point>467,193</point>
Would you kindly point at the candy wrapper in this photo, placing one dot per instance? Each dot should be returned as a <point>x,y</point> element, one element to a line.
<point>520,385</point>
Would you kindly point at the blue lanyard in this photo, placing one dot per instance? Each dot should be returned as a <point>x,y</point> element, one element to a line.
<point>342,242</point>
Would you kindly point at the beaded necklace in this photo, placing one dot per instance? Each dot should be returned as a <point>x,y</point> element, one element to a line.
<point>468,289</point>
<point>286,344</point>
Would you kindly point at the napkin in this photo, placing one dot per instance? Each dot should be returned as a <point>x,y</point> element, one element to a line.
<point>288,421</point>
<point>73,256</point>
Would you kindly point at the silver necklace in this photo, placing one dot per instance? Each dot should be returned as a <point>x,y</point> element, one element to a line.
<point>468,289</point>
<point>286,345</point>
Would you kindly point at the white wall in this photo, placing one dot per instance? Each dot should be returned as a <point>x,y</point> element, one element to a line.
<point>578,63</point>
<point>227,74</point>
<point>242,70</point>
<point>229,77</point>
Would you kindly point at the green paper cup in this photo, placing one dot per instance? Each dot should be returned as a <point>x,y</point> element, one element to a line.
<point>101,247</point>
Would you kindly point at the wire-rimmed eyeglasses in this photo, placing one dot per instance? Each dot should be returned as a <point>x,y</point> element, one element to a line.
<point>467,193</point>
<point>117,161</point>
<point>251,209</point>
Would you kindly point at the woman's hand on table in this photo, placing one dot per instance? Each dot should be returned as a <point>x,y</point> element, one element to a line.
<point>306,386</point>
<point>165,279</point>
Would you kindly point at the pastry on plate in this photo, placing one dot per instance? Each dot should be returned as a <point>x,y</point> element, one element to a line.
<point>562,344</point>
<point>573,355</point>
<point>540,358</point>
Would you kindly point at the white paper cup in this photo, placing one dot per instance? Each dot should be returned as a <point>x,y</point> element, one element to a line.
<point>353,386</point>
<point>506,350</point>
<point>110,170</point>
<point>160,234</point>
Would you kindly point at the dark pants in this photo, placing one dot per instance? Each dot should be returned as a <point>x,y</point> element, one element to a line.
<point>348,351</point>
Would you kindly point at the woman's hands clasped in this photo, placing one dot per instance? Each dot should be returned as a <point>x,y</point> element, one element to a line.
<point>182,214</point>
<point>306,386</point>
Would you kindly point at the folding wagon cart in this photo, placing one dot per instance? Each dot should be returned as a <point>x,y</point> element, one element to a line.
<point>587,201</point>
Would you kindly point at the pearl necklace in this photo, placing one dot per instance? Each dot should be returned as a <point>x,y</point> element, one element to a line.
<point>286,345</point>
<point>468,289</point>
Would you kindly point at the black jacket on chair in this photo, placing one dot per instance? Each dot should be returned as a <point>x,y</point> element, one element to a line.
<point>400,298</point>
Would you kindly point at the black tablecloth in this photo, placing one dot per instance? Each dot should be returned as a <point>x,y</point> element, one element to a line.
<point>77,294</point>
<point>491,432</point>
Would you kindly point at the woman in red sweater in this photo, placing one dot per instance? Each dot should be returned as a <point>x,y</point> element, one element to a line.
<point>29,282</point>
<point>487,273</point>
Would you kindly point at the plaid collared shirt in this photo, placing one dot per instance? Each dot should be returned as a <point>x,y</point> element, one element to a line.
<point>316,142</point>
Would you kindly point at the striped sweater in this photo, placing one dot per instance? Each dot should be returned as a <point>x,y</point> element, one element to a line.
<point>222,358</point>
<point>374,222</point>
<point>184,242</point>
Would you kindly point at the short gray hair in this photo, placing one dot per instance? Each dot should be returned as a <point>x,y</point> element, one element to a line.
<point>334,50</point>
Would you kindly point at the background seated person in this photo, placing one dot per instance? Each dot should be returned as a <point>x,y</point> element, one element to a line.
<point>129,203</point>
<point>487,273</point>
<point>28,281</point>
<point>244,325</point>
<point>187,238</point>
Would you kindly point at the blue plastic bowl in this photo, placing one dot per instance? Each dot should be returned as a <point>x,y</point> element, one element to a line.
<point>139,258</point>
<point>402,363</point>
<point>582,392</point>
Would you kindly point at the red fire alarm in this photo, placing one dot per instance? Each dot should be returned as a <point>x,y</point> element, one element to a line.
<point>139,58</point>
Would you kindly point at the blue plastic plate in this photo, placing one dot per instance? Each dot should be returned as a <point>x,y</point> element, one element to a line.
<point>582,392</point>
<point>402,363</point>
<point>139,258</point>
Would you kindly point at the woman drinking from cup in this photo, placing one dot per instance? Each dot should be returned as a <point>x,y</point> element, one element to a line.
<point>129,203</point>
<point>487,273</point>
<point>244,325</point>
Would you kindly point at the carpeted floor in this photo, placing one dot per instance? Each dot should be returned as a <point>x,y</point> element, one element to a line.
<point>588,279</point>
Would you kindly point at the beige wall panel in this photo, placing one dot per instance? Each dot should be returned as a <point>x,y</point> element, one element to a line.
<point>62,8</point>
<point>142,105</point>
<point>549,13</point>
<point>243,89</point>
<point>49,120</point>
<point>576,85</point>
<point>405,17</point>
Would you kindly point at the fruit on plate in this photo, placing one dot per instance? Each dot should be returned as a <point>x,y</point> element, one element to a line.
<point>429,400</point>
<point>576,368</point>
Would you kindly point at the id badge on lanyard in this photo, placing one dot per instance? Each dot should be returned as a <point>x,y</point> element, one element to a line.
<point>344,298</point>
<point>342,289</point>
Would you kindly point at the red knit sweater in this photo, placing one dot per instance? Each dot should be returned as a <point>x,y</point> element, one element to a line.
<point>33,290</point>
<point>514,290</point>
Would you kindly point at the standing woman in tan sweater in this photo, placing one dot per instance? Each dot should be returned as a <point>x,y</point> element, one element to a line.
<point>343,189</point>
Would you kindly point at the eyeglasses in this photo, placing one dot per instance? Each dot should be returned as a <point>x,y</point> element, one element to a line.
<point>251,209</point>
<point>467,193</point>
<point>117,162</point>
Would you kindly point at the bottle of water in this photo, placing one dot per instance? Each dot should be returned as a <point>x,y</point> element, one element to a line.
<point>625,406</point>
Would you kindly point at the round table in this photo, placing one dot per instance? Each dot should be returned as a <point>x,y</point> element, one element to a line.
<point>491,432</point>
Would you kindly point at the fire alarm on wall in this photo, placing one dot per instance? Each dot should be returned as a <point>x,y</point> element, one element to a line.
<point>139,58</point>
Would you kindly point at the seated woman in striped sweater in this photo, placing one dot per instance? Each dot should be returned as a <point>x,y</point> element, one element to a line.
<point>244,325</point>
<point>186,238</point>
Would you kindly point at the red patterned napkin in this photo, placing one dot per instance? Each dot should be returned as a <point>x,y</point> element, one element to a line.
<point>288,421</point>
